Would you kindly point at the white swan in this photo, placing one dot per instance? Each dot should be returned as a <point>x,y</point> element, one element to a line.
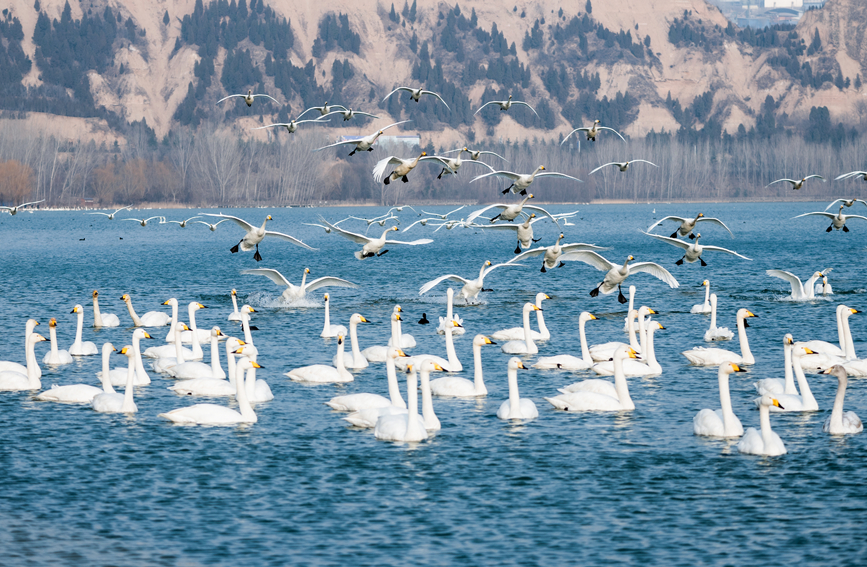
<point>364,144</point>
<point>713,332</point>
<point>605,351</point>
<point>800,292</point>
<point>80,393</point>
<point>55,356</point>
<point>688,224</point>
<point>567,361</point>
<point>451,316</point>
<point>248,98</point>
<point>112,402</point>
<point>592,132</point>
<point>370,417</point>
<point>599,395</point>
<point>149,319</point>
<point>522,181</point>
<point>363,401</point>
<point>623,166</point>
<point>527,346</point>
<point>406,427</point>
<point>329,330</point>
<point>840,422</point>
<point>188,370</point>
<point>212,414</point>
<point>516,407</point>
<point>258,390</point>
<point>553,254</point>
<point>322,373</point>
<point>692,251</point>
<point>255,235</point>
<point>379,353</point>
<point>372,246</point>
<point>416,94</point>
<point>784,385</point>
<point>117,376</point>
<point>353,360</point>
<point>406,340</point>
<point>796,402</point>
<point>111,215</point>
<point>700,356</point>
<point>6,365</point>
<point>722,422</point>
<point>431,421</point>
<point>235,315</point>
<point>631,307</point>
<point>703,307</point>
<point>523,232</point>
<point>509,212</point>
<point>471,288</point>
<point>79,348</point>
<point>295,293</point>
<point>796,183</point>
<point>453,364</point>
<point>829,353</point>
<point>648,366</point>
<point>854,366</point>
<point>824,288</point>
<point>517,333</point>
<point>212,387</point>
<point>11,380</point>
<point>838,221</point>
<point>181,354</point>
<point>170,336</point>
<point>194,335</point>
<point>766,443</point>
<point>456,387</point>
<point>505,105</point>
<point>616,275</point>
<point>103,319</point>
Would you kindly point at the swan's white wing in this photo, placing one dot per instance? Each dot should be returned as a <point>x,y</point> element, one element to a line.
<point>578,246</point>
<point>495,266</point>
<point>522,103</point>
<point>424,221</point>
<point>231,96</point>
<point>726,250</point>
<point>205,223</point>
<point>847,176</point>
<point>643,161</point>
<point>819,213</point>
<point>272,275</point>
<point>500,226</point>
<point>814,175</point>
<point>128,218</point>
<point>328,282</point>
<point>494,154</point>
<point>477,163</point>
<point>589,257</point>
<point>572,132</point>
<point>797,286</point>
<point>396,90</point>
<point>106,214</point>
<point>715,221</point>
<point>22,205</point>
<point>162,219</point>
<point>438,96</point>
<point>826,208</point>
<point>654,270</point>
<point>528,254</point>
<point>308,110</point>
<point>792,181</point>
<point>555,174</point>
<point>541,210</point>
<point>240,222</point>
<point>346,142</point>
<point>413,243</point>
<point>357,238</point>
<point>456,210</point>
<point>855,217</point>
<point>667,240</point>
<point>267,96</point>
<point>618,164</point>
<point>272,125</point>
<point>433,283</point>
<point>506,174</point>
<point>613,130</point>
<point>291,239</point>
<point>486,104</point>
<point>382,165</point>
<point>395,124</point>
<point>662,220</point>
<point>476,214</point>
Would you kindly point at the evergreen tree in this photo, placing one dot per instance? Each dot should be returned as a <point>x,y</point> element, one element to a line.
<point>588,7</point>
<point>166,18</point>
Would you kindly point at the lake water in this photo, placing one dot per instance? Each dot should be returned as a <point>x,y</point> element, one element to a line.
<point>301,487</point>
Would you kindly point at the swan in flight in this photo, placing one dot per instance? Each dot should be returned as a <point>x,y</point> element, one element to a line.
<point>183,223</point>
<point>329,330</point>
<point>599,395</point>
<point>372,246</point>
<point>293,292</point>
<point>452,165</point>
<point>111,215</point>
<point>79,347</point>
<point>687,225</point>
<point>55,356</point>
<point>767,443</point>
<point>322,373</point>
<point>840,422</point>
<point>526,346</point>
<point>592,132</point>
<point>408,426</point>
<point>700,356</point>
<point>521,181</point>
<point>214,226</point>
<point>256,235</point>
<point>364,401</point>
<point>523,231</point>
<point>14,210</point>
<point>149,319</point>
<point>80,393</point>
<point>100,319</point>
<point>616,275</point>
<point>144,222</point>
<point>703,307</point>
<point>471,288</point>
<point>292,125</point>
<point>861,174</point>
<point>722,422</point>
<point>796,183</point>
<point>847,202</point>
<point>692,250</point>
<point>506,105</point>
<point>516,407</point>
<point>402,167</point>
<point>13,380</point>
<point>212,414</point>
<point>443,216</point>
<point>416,94</point>
<point>800,292</point>
<point>324,110</point>
<point>838,221</point>
<point>248,98</point>
<point>713,332</point>
<point>553,254</point>
<point>456,387</point>
<point>111,401</point>
<point>517,333</point>
<point>510,212</point>
<point>348,113</point>
<point>567,361</point>
<point>476,154</point>
<point>365,144</point>
<point>622,165</point>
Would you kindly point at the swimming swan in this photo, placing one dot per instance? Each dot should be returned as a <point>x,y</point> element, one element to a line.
<point>517,333</point>
<point>700,356</point>
<point>117,376</point>
<point>722,422</point>
<point>648,366</point>
<point>453,364</point>
<point>329,330</point>
<point>212,414</point>
<point>6,365</point>
<point>527,346</point>
<point>354,360</point>
<point>713,332</point>
<point>766,443</point>
<point>11,380</point>
<point>258,390</point>
<point>379,353</point>
<point>408,427</point>
<point>100,319</point>
<point>193,369</point>
<point>840,422</point>
<point>796,402</point>
<point>363,401</point>
<point>181,354</point>
<point>78,347</point>
<point>703,307</point>
<point>213,387</point>
<point>456,387</point>
<point>567,361</point>
<point>516,407</point>
<point>322,373</point>
<point>399,338</point>
<point>295,293</point>
<point>80,393</point>
<point>149,319</point>
<point>112,402</point>
<point>800,292</point>
<point>597,395</point>
<point>786,385</point>
<point>55,356</point>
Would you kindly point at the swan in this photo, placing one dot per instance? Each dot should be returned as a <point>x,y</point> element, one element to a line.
<point>117,376</point>
<point>295,293</point>
<point>456,387</point>
<point>527,346</point>
<point>80,393</point>
<point>471,288</point>
<point>372,246</point>
<point>322,373</point>
<point>796,183</point>
<point>349,114</point>
<point>291,127</point>
<point>722,422</point>
<point>703,307</point>
<point>598,395</point>
<point>431,421</point>
<point>78,347</point>
<point>605,351</point>
<point>452,165</point>
<point>700,356</point>
<point>183,223</point>
<point>330,330</point>
<point>6,365</point>
<point>522,181</point>
<point>853,365</point>
<point>800,292</point>
<point>784,385</point>
<point>516,407</point>
<point>829,354</point>
<point>848,202</point>
<point>688,224</point>
<point>592,132</point>
<point>446,322</point>
<point>766,443</point>
<point>256,235</point>
<point>235,315</point>
<point>55,356</point>
<point>111,401</point>
<point>192,369</point>
<point>194,335</point>
<point>144,222</point>
<point>838,221</point>
<point>365,144</point>
<point>523,232</point>
<point>11,380</point>
<point>357,402</point>
<point>416,94</point>
<point>14,210</point>
<point>506,105</point>
<point>554,253</point>
<point>248,98</point>
<point>353,360</point>
<point>404,340</point>
<point>616,275</point>
<point>100,320</point>
<point>170,336</point>
<point>212,414</point>
<point>475,154</point>
<point>840,422</point>
<point>324,110</point>
<point>111,215</point>
<point>213,387</point>
<point>402,167</point>
<point>517,333</point>
<point>149,319</point>
<point>406,427</point>
<point>379,353</point>
<point>795,402</point>
<point>622,165</point>
<point>510,212</point>
<point>181,354</point>
<point>370,417</point>
<point>450,365</point>
<point>824,288</point>
<point>214,226</point>
<point>258,390</point>
<point>245,326</point>
<point>567,361</point>
<point>648,366</point>
<point>713,332</point>
<point>693,250</point>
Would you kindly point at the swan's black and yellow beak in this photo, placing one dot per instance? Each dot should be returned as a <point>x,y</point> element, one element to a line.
<point>521,365</point>
<point>489,341</point>
<point>201,306</point>
<point>737,368</point>
<point>401,353</point>
<point>147,336</point>
<point>777,403</point>
<point>255,364</point>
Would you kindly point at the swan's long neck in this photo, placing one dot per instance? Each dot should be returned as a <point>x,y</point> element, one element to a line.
<point>395,333</point>
<point>53,334</point>
<point>713,313</point>
<point>650,353</point>
<point>250,380</point>
<point>77,329</point>
<point>540,320</point>
<point>450,295</point>
<point>194,331</point>
<point>431,421</point>
<point>837,411</point>
<point>642,332</point>
<point>139,365</point>
<point>327,328</point>
<point>216,369</point>
<point>808,402</point>
<point>479,379</point>
<point>230,363</point>
<point>585,350</point>
<point>707,295</point>
<point>765,421</point>
<point>399,334</point>
<point>454,364</point>
<point>789,377</point>
<point>631,304</point>
<point>245,324</point>
<point>746,354</point>
<point>632,340</point>
<point>353,337</point>
<point>97,316</point>
<point>234,303</point>
<point>725,401</point>
<point>303,281</point>
<point>104,377</point>
<point>841,334</point>
<point>171,334</point>
<point>179,348</point>
<point>128,405</point>
<point>620,385</point>
<point>528,337</point>
<point>135,318</point>
<point>340,365</point>
<point>412,426</point>
<point>262,230</point>
<point>514,394</point>
<point>810,288</point>
<point>850,345</point>
<point>393,388</point>
<point>32,366</point>
<point>243,401</point>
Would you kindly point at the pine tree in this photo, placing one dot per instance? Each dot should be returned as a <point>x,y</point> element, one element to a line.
<point>166,18</point>
<point>588,7</point>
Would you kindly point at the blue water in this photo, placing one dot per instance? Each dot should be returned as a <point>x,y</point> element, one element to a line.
<point>300,487</point>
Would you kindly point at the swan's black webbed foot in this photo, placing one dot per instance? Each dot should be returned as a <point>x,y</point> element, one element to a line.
<point>523,192</point>
<point>594,292</point>
<point>561,265</point>
<point>691,236</point>
<point>829,228</point>
<point>370,149</point>
<point>234,249</point>
<point>535,239</point>
<point>387,180</point>
<point>404,179</point>
<point>673,234</point>
<point>703,263</point>
<point>440,176</point>
<point>506,190</point>
<point>845,228</point>
<point>543,270</point>
<point>620,297</point>
<point>679,262</point>
<point>518,249</point>
<point>383,252</point>
<point>257,256</point>
<point>495,218</point>
<point>352,153</point>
